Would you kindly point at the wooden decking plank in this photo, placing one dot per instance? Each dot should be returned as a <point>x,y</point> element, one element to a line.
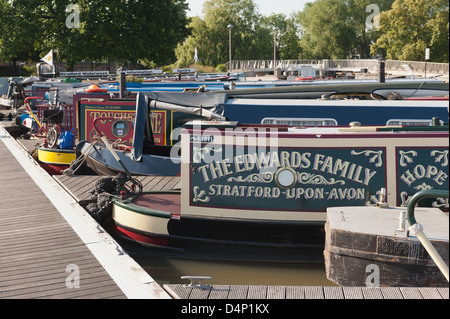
<point>83,186</point>
<point>219,292</point>
<point>178,291</point>
<point>161,183</point>
<point>146,180</point>
<point>238,292</point>
<point>37,257</point>
<point>40,269</point>
<point>257,292</point>
<point>44,274</point>
<point>46,287</point>
<point>333,293</point>
<point>200,293</point>
<point>150,186</point>
<point>411,293</point>
<point>171,183</point>
<point>430,293</point>
<point>443,292</point>
<point>372,293</point>
<point>42,246</point>
<point>178,185</point>
<point>60,231</point>
<point>313,292</point>
<point>293,292</point>
<point>276,292</point>
<point>352,293</point>
<point>57,289</point>
<point>391,293</point>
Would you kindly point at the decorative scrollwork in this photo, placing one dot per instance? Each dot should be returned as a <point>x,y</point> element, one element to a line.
<point>441,157</point>
<point>199,195</point>
<point>253,178</point>
<point>312,179</point>
<point>407,157</point>
<point>376,158</point>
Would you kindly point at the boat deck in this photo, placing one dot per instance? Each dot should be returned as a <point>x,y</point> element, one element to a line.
<point>79,187</point>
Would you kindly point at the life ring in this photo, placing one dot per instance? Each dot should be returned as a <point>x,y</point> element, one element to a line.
<point>95,89</point>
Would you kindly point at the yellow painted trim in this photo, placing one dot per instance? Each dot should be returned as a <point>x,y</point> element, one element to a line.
<point>56,157</point>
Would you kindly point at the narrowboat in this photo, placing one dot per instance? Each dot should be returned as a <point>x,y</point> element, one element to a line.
<point>261,193</point>
<point>150,150</point>
<point>325,105</point>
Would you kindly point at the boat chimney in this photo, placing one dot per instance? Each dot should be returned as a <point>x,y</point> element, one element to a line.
<point>381,70</point>
<point>122,83</point>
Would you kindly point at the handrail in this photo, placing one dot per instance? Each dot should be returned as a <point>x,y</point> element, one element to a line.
<point>421,195</point>
<point>370,64</point>
<point>417,229</point>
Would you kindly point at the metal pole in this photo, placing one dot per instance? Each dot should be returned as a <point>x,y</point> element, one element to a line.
<point>416,229</point>
<point>275,50</point>
<point>122,84</point>
<point>230,26</point>
<point>381,71</point>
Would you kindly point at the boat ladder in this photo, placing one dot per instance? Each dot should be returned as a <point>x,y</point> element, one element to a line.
<point>416,229</point>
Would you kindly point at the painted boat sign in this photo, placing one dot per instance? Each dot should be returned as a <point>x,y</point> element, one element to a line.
<point>307,174</point>
<point>162,122</point>
<point>421,169</point>
<point>310,178</point>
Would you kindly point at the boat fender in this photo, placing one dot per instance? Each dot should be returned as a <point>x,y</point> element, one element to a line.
<point>95,89</point>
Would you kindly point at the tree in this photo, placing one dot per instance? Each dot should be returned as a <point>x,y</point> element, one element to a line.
<point>364,15</point>
<point>288,37</point>
<point>210,35</point>
<point>413,25</point>
<point>326,31</point>
<point>17,35</point>
<point>118,30</point>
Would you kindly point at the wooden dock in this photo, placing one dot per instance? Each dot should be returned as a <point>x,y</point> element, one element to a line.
<point>49,248</point>
<point>180,291</point>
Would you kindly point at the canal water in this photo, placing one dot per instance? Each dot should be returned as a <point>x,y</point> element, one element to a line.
<point>169,271</point>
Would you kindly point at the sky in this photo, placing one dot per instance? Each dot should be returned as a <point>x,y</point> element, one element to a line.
<point>266,7</point>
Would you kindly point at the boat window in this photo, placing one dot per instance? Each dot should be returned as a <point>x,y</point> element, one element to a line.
<point>120,129</point>
<point>299,121</point>
<point>426,122</point>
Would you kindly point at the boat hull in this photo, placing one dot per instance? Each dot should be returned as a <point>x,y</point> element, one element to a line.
<point>170,234</point>
<point>262,195</point>
<point>101,161</point>
<point>54,161</point>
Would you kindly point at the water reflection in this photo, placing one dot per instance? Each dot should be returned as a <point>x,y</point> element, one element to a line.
<point>169,271</point>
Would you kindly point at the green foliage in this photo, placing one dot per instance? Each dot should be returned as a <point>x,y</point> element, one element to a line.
<point>113,30</point>
<point>158,33</point>
<point>221,68</point>
<point>211,35</point>
<point>411,26</point>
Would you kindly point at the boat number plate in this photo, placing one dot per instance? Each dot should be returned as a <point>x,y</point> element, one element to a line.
<point>411,249</point>
<point>202,138</point>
